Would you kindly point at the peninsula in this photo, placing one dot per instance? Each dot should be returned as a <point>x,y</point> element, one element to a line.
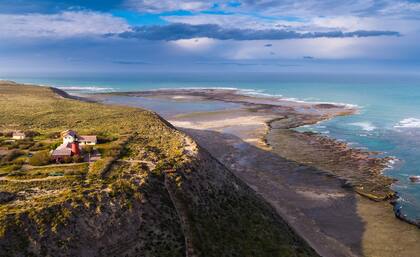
<point>154,192</point>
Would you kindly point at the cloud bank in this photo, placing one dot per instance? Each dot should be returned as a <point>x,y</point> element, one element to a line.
<point>64,24</point>
<point>134,34</point>
<point>178,31</point>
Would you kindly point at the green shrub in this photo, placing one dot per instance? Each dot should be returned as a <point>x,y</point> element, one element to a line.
<point>38,146</point>
<point>55,145</point>
<point>77,158</point>
<point>31,133</point>
<point>54,135</point>
<point>68,159</point>
<point>11,168</point>
<point>88,149</point>
<point>113,151</point>
<point>25,144</point>
<point>97,168</point>
<point>19,161</point>
<point>12,155</point>
<point>104,138</point>
<point>40,158</point>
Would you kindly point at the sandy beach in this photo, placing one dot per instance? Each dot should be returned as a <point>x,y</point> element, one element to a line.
<point>335,197</point>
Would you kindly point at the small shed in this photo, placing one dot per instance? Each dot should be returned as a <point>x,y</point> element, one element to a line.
<point>18,135</point>
<point>88,140</point>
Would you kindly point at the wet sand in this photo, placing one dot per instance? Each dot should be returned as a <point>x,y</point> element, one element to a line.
<point>310,181</point>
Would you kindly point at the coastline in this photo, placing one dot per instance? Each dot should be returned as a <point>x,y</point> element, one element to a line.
<point>158,193</point>
<point>285,114</point>
<point>243,132</point>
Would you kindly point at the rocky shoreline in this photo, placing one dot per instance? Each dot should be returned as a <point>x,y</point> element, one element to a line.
<point>363,171</point>
<point>358,169</point>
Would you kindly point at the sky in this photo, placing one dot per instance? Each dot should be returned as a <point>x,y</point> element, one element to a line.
<point>70,36</point>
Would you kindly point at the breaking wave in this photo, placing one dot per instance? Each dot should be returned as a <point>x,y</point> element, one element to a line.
<point>89,89</point>
<point>366,125</point>
<point>408,123</point>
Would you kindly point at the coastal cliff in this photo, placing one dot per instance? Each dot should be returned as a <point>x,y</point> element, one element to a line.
<point>155,192</point>
<point>322,187</point>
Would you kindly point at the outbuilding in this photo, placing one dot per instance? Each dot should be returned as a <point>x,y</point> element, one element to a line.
<point>18,135</point>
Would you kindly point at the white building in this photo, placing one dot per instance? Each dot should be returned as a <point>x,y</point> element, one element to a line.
<point>18,135</point>
<point>69,136</point>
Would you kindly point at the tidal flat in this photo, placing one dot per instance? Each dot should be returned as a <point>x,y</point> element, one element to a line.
<point>334,196</point>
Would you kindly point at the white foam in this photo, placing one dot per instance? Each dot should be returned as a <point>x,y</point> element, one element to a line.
<point>91,88</point>
<point>261,93</point>
<point>392,163</point>
<point>408,123</point>
<point>364,125</point>
<point>293,99</point>
<point>345,105</point>
<point>193,88</point>
<point>255,92</point>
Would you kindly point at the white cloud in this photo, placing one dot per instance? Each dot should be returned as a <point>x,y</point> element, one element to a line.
<point>169,5</point>
<point>65,24</point>
<point>343,23</point>
<point>231,21</point>
<point>403,8</point>
<point>195,44</point>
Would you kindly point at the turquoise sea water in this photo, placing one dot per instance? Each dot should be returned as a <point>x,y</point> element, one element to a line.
<point>388,121</point>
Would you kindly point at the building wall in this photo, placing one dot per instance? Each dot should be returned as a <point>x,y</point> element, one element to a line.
<point>87,143</point>
<point>68,139</point>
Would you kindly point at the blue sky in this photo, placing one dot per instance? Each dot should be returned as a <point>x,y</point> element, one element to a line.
<point>142,35</point>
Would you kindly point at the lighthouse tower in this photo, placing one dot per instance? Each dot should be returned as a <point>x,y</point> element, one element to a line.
<point>75,149</point>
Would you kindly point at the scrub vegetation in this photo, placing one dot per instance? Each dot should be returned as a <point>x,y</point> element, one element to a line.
<point>154,192</point>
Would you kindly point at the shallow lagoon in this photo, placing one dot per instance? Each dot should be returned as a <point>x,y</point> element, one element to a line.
<point>167,107</point>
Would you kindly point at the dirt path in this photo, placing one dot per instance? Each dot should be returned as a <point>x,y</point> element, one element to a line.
<point>30,180</point>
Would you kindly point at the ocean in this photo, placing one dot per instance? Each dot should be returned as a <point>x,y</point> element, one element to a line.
<point>388,120</point>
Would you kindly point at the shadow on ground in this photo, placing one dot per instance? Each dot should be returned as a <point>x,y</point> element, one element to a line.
<point>317,206</point>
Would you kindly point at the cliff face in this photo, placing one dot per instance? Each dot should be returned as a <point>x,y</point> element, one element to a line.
<point>225,217</point>
<point>154,193</point>
<point>100,225</point>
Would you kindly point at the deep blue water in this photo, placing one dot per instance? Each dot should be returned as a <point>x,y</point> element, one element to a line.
<point>388,121</point>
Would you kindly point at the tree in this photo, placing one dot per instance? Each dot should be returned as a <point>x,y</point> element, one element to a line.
<point>40,158</point>
<point>12,155</point>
